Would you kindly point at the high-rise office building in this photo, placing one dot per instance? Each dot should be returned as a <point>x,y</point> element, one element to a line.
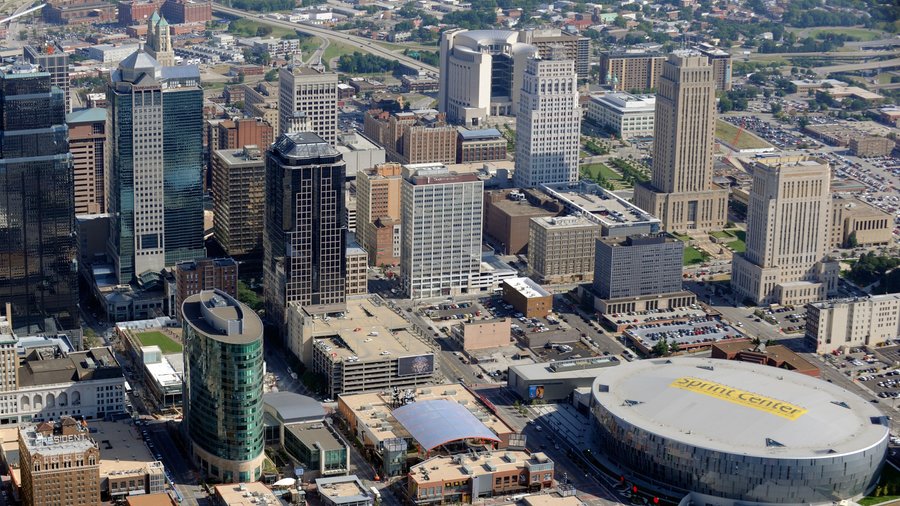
<point>681,192</point>
<point>306,90</point>
<point>38,269</point>
<point>787,230</point>
<point>234,134</point>
<point>155,186</point>
<point>721,63</point>
<point>59,463</point>
<point>378,212</point>
<point>159,41</point>
<point>631,70</point>
<point>195,276</point>
<point>239,200</point>
<point>303,241</point>
<point>561,249</point>
<point>87,143</point>
<point>51,58</point>
<point>574,47</point>
<point>441,230</point>
<point>223,405</point>
<point>548,124</point>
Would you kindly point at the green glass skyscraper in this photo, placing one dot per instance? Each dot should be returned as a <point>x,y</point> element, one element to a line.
<point>223,366</point>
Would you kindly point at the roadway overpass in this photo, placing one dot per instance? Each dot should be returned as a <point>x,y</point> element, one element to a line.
<point>852,67</point>
<point>362,43</point>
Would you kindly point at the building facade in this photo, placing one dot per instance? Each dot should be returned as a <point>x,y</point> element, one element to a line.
<point>548,124</point>
<point>87,143</point>
<point>311,92</point>
<point>357,269</point>
<point>441,230</point>
<point>631,70</point>
<point>637,266</point>
<point>480,146</point>
<point>421,136</point>
<point>856,223</point>
<point>721,64</point>
<point>187,11</point>
<point>60,464</point>
<point>787,234</point>
<point>624,114</point>
<point>155,197</point>
<point>223,403</point>
<point>195,276</point>
<point>38,268</point>
<point>239,193</point>
<point>378,212</point>
<point>681,192</point>
<point>51,58</point>
<point>561,249</point>
<point>846,323</point>
<point>159,41</point>
<point>304,241</point>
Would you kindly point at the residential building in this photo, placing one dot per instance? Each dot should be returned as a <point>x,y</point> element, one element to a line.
<point>78,12</point>
<point>841,324</point>
<point>787,235</point>
<point>574,47</point>
<point>195,276</point>
<point>378,212</point>
<point>51,58</point>
<point>461,479</point>
<point>480,145</point>
<point>312,92</point>
<point>37,252</point>
<point>721,64</point>
<point>856,223</point>
<point>275,47</point>
<point>262,103</point>
<point>778,355</point>
<point>87,143</point>
<point>239,200</point>
<point>187,11</point>
<point>681,192</point>
<point>303,239</point>
<point>441,215</point>
<point>631,70</point>
<point>359,152</point>
<point>155,183</point>
<point>421,136</point>
<point>159,41</point>
<point>60,464</point>
<point>508,214</point>
<point>561,248</point>
<point>357,268</point>
<point>624,114</point>
<point>548,124</point>
<point>223,406</point>
<point>527,297</point>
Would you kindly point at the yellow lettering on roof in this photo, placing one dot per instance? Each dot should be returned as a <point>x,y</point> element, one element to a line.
<point>733,395</point>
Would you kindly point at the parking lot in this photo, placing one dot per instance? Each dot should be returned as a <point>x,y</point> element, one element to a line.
<point>691,334</point>
<point>770,132</point>
<point>787,319</point>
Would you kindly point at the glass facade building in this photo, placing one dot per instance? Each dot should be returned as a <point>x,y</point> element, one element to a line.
<point>223,406</point>
<point>38,270</point>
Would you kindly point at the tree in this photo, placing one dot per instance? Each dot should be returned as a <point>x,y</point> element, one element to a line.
<point>661,348</point>
<point>271,76</point>
<point>852,242</point>
<point>264,31</point>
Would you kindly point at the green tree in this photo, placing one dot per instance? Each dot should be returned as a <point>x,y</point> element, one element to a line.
<point>661,348</point>
<point>249,297</point>
<point>271,76</point>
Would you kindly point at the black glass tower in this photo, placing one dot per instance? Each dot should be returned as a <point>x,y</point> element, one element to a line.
<point>38,270</point>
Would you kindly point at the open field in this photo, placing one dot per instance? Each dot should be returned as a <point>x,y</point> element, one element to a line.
<point>338,49</point>
<point>156,338</point>
<point>601,170</point>
<point>694,256</point>
<point>728,133</point>
<point>863,34</point>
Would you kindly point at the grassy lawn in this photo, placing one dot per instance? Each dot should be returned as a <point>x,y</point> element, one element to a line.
<point>602,170</point>
<point>694,256</point>
<point>721,234</point>
<point>680,237</point>
<point>156,338</point>
<point>726,132</point>
<point>738,246</point>
<point>863,34</point>
<point>888,486</point>
<point>248,28</point>
<point>338,49</point>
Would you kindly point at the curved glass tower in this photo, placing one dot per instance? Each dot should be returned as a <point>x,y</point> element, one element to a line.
<point>223,408</point>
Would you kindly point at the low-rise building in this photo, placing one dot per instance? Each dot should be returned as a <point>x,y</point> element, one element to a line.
<point>508,213</point>
<point>527,297</point>
<point>773,356</point>
<point>555,381</point>
<point>343,491</point>
<point>624,114</point>
<point>561,249</point>
<point>163,381</point>
<point>839,324</point>
<point>872,146</point>
<point>482,334</point>
<point>244,494</point>
<point>480,145</point>
<point>855,223</point>
<point>110,53</point>
<point>359,152</point>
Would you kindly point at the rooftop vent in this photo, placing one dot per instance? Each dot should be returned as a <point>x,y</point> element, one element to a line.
<point>771,443</point>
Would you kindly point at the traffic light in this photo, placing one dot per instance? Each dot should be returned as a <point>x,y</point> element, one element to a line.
<point>655,500</point>
<point>634,489</point>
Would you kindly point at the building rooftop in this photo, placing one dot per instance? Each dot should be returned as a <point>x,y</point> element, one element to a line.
<point>219,316</point>
<point>157,499</point>
<point>626,102</point>
<point>434,173</point>
<point>527,287</point>
<point>315,433</point>
<point>342,489</point>
<point>777,354</point>
<point>831,303</point>
<point>246,156</point>
<point>740,408</point>
<point>46,367</point>
<point>122,451</point>
<point>304,145</point>
<point>355,141</point>
<point>463,467</point>
<point>246,494</point>
<point>436,422</point>
<point>599,204</point>
<point>698,331</point>
<point>56,444</point>
<point>551,500</point>
<point>470,135</point>
<point>560,222</point>
<point>293,407</point>
<point>565,369</point>
<point>92,115</point>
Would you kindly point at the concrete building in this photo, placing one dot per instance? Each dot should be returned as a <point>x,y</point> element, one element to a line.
<point>616,216</point>
<point>223,407</point>
<point>855,223</point>
<point>239,193</point>
<point>556,381</point>
<point>159,41</point>
<point>872,145</point>
<point>421,136</point>
<point>187,11</point>
<point>482,334</point>
<point>51,58</point>
<point>527,297</point>
<point>631,70</point>
<point>155,183</point>
<point>110,53</point>
<point>846,323</point>
<point>573,47</point>
<point>463,479</point>
<point>378,212</point>
<point>561,249</point>
<point>60,464</point>
<point>238,494</point>
<point>778,356</point>
<point>237,133</point>
<point>343,491</point>
<point>195,276</point>
<point>78,12</point>
<point>314,93</point>
<point>480,145</point>
<point>508,214</point>
<point>787,235</point>
<point>624,114</point>
<point>548,124</point>
<point>359,152</point>
<point>357,268</point>
<point>87,143</point>
<point>261,104</point>
<point>441,215</point>
<point>164,382</point>
<point>304,241</point>
<point>721,63</point>
<point>681,192</point>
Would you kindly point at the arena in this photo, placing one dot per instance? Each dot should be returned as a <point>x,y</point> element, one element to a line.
<point>723,432</point>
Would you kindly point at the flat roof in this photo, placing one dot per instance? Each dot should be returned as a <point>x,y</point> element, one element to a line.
<point>293,407</point>
<point>341,489</point>
<point>626,102</point>
<point>551,500</point>
<point>598,203</point>
<point>221,317</point>
<point>577,368</point>
<point>163,373</point>
<point>451,467</point>
<point>520,208</point>
<point>830,303</point>
<point>694,331</point>
<point>740,408</point>
<point>527,287</point>
<point>315,433</point>
<point>487,133</point>
<point>245,494</point>
<point>122,451</point>
<point>558,222</point>
<point>240,158</point>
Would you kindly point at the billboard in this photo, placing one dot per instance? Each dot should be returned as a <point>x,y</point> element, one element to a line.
<point>416,365</point>
<point>536,392</point>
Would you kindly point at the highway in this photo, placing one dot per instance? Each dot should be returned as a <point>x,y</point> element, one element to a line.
<point>362,43</point>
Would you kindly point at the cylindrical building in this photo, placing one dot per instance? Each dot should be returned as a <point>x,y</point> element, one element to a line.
<point>223,406</point>
<point>726,432</point>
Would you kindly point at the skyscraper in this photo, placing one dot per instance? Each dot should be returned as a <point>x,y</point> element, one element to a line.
<point>223,406</point>
<point>787,230</point>
<point>303,241</point>
<point>548,124</point>
<point>441,230</point>
<point>87,143</point>
<point>51,58</point>
<point>681,192</point>
<point>378,212</point>
<point>38,270</point>
<point>159,41</point>
<point>155,179</point>
<point>312,92</point>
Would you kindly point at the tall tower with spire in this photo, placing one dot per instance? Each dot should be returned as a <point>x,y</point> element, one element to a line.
<point>159,41</point>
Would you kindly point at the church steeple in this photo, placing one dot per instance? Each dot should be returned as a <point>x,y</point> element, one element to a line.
<point>159,40</point>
